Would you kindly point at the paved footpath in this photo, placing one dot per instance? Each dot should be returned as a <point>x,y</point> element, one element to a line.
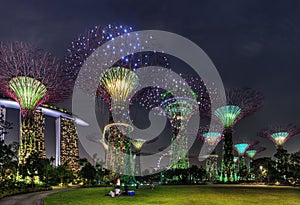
<point>35,198</point>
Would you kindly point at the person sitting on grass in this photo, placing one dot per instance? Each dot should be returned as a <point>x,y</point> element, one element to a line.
<point>111,193</point>
<point>151,186</point>
<point>126,189</point>
<point>118,191</point>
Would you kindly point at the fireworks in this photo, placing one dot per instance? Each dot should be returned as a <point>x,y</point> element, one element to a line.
<point>280,134</point>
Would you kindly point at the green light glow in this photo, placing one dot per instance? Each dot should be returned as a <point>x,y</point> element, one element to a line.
<point>228,114</point>
<point>212,138</point>
<point>138,144</point>
<point>180,108</point>
<point>280,137</point>
<point>119,83</point>
<point>251,153</point>
<point>241,148</point>
<point>29,91</point>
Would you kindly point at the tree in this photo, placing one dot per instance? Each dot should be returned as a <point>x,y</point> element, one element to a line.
<point>64,174</point>
<point>8,163</point>
<point>295,165</point>
<point>264,170</point>
<point>88,172</point>
<point>30,168</point>
<point>282,165</point>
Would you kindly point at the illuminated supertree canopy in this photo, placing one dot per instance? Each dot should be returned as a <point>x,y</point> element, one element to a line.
<point>138,144</point>
<point>32,77</point>
<point>212,138</point>
<point>253,151</point>
<point>119,83</point>
<point>240,103</point>
<point>280,134</point>
<point>228,114</point>
<point>241,148</point>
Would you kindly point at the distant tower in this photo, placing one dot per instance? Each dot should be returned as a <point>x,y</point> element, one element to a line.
<point>39,119</point>
<point>67,144</point>
<point>2,119</point>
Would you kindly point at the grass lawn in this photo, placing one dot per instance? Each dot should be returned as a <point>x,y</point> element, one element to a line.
<point>181,195</point>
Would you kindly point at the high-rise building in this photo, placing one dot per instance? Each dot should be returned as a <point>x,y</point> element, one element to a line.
<point>67,144</point>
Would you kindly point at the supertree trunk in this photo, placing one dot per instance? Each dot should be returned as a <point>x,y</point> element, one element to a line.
<point>227,161</point>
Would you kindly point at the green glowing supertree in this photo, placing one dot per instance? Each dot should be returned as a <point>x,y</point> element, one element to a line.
<point>241,150</point>
<point>117,144</point>
<point>119,83</point>
<point>138,144</point>
<point>240,103</point>
<point>279,135</point>
<point>32,77</point>
<point>251,153</point>
<point>179,110</point>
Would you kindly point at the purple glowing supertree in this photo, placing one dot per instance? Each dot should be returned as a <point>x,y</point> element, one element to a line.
<point>211,138</point>
<point>32,77</point>
<point>280,134</point>
<point>116,78</point>
<point>240,104</point>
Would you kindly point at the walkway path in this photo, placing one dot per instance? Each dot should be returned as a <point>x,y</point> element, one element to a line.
<point>35,198</point>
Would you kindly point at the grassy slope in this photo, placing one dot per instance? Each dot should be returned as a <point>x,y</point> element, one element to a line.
<point>183,195</point>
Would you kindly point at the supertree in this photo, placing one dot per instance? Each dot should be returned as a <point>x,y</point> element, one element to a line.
<point>241,148</point>
<point>138,144</point>
<point>240,104</point>
<point>117,79</point>
<point>119,83</point>
<point>251,153</point>
<point>279,134</point>
<point>180,99</point>
<point>179,110</point>
<point>211,138</point>
<point>32,77</point>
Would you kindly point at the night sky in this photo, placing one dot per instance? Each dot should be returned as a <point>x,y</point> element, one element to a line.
<point>252,44</point>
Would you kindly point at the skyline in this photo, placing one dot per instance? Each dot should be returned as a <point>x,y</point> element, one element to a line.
<point>248,51</point>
